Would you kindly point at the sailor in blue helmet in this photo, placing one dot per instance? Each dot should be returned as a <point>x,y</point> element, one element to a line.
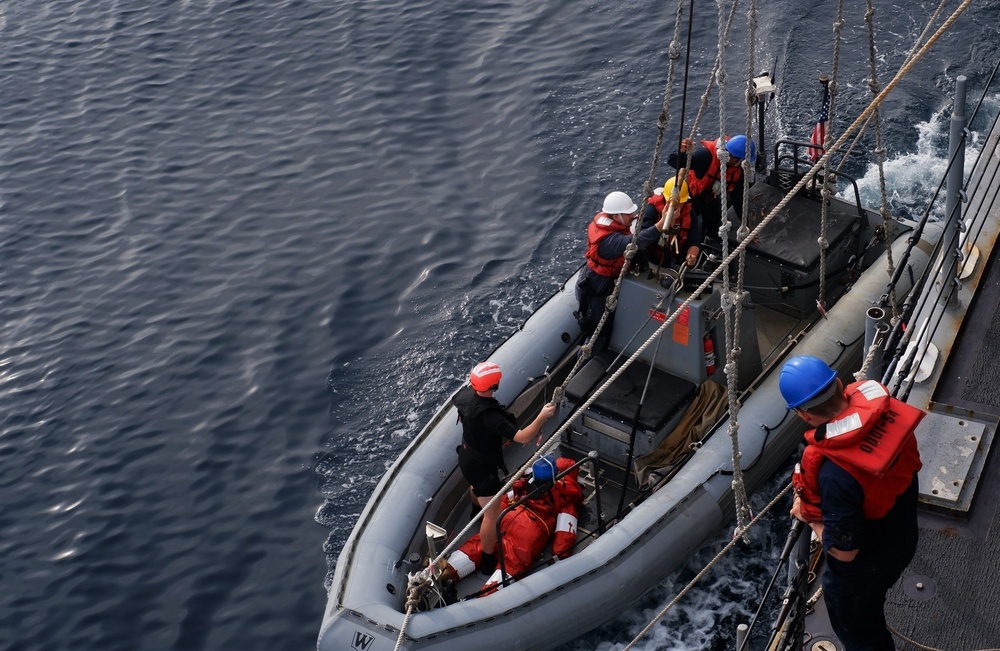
<point>705,176</point>
<point>544,470</point>
<point>856,486</point>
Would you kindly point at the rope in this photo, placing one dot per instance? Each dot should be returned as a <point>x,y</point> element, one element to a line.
<point>406,620</point>
<point>716,67</point>
<point>722,82</point>
<point>887,217</point>
<point>733,348</point>
<point>732,543</point>
<point>419,583</point>
<point>664,119</point>
<point>732,300</point>
<point>824,243</point>
<point>927,27</point>
<point>862,372</point>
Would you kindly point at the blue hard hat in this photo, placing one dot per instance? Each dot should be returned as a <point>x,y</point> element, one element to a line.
<point>544,470</point>
<point>803,378</point>
<point>737,146</point>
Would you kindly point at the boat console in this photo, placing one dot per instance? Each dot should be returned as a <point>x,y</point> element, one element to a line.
<point>607,424</point>
<point>665,377</point>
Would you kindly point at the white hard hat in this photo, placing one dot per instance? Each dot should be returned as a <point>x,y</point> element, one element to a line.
<point>619,203</point>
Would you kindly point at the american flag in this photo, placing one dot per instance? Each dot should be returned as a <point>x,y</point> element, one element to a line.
<point>819,131</point>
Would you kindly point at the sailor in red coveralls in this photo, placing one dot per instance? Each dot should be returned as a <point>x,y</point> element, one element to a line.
<point>525,531</point>
<point>856,486</point>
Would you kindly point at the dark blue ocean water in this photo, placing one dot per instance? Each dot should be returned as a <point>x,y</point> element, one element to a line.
<point>246,248</point>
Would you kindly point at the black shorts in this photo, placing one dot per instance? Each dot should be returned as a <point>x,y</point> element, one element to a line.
<point>484,479</point>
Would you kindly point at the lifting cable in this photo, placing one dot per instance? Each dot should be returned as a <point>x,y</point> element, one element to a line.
<point>611,303</point>
<point>680,172</point>
<point>888,220</point>
<point>909,55</point>
<point>824,243</point>
<point>717,71</point>
<point>663,121</point>
<point>733,301</point>
<point>887,217</point>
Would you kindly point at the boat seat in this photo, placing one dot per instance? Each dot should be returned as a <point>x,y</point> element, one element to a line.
<point>667,395</point>
<point>791,236</point>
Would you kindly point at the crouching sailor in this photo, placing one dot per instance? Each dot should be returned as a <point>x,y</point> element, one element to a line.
<point>527,529</point>
<point>856,486</point>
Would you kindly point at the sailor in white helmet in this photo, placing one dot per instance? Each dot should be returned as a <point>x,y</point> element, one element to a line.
<point>608,235</point>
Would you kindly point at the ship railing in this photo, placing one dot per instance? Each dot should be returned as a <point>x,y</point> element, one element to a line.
<point>790,166</point>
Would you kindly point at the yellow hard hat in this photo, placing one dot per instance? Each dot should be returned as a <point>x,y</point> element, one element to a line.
<point>668,189</point>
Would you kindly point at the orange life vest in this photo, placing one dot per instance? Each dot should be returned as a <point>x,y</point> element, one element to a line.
<point>600,227</point>
<point>873,440</point>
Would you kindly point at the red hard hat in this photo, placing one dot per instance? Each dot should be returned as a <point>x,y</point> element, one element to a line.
<point>485,376</point>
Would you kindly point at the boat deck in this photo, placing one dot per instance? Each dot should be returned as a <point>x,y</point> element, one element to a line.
<point>947,599</point>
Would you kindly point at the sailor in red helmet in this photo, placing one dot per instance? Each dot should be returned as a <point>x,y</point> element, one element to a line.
<point>547,516</point>
<point>705,176</point>
<point>486,424</point>
<point>856,486</point>
<point>608,235</point>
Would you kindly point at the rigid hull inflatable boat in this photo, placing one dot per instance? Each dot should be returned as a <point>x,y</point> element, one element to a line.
<point>647,420</point>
